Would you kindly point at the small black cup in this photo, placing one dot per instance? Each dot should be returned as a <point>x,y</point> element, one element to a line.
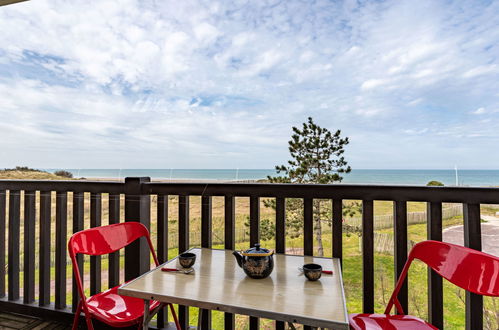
<point>312,271</point>
<point>187,259</point>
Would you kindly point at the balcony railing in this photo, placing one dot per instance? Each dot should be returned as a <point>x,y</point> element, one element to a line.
<point>28,208</point>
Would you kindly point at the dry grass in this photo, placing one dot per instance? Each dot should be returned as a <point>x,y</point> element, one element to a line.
<point>28,175</point>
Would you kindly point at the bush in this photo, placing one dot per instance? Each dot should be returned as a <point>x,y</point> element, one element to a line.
<point>64,174</point>
<point>22,169</point>
<point>435,183</point>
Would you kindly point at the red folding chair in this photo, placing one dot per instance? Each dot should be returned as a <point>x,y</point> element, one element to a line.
<point>469,269</point>
<point>108,306</point>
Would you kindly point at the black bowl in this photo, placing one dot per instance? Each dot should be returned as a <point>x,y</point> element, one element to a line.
<point>312,271</point>
<point>187,259</point>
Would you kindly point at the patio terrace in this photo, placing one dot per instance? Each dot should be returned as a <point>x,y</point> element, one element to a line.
<point>35,213</point>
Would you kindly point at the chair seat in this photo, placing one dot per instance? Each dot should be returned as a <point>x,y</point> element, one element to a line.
<point>119,311</point>
<point>387,322</point>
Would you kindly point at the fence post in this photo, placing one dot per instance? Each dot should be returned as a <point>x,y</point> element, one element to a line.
<point>137,208</point>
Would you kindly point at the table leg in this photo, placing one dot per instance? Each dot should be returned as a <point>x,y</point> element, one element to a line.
<point>145,318</point>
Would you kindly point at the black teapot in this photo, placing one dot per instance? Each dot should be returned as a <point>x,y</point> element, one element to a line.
<point>256,262</point>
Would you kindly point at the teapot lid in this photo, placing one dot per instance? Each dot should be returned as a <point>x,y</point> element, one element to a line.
<point>257,249</point>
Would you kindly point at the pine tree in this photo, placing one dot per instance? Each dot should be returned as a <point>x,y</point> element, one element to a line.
<point>317,157</point>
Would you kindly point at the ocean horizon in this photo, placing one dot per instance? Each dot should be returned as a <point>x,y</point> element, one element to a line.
<point>481,178</point>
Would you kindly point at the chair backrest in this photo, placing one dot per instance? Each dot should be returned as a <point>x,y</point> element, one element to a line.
<point>106,239</point>
<point>469,269</point>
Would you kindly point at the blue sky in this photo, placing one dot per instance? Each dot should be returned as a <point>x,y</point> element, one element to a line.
<point>218,84</point>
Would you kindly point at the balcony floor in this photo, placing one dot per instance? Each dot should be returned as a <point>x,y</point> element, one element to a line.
<point>14,321</point>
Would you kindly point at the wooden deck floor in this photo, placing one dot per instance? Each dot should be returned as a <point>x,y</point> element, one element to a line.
<point>10,321</point>
<point>14,321</point>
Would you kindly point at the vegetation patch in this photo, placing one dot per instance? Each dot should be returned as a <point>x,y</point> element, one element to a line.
<point>27,173</point>
<point>435,183</point>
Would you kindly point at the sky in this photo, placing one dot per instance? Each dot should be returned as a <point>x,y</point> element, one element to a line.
<point>219,84</point>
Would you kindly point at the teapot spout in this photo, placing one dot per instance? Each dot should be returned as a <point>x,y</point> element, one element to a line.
<point>239,258</point>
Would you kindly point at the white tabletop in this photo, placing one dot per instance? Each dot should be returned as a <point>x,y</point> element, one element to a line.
<point>218,283</point>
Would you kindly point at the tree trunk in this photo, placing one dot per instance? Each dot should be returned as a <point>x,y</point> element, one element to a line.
<point>318,227</point>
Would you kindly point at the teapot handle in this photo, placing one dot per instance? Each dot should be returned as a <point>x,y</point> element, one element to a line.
<point>257,254</point>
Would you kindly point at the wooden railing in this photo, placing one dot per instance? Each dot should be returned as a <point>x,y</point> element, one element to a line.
<point>39,197</point>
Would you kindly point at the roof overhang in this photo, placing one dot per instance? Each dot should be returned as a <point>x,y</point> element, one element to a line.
<point>9,2</point>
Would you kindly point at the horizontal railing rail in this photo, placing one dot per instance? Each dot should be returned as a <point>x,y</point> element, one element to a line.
<point>37,218</point>
<point>75,186</point>
<point>331,191</point>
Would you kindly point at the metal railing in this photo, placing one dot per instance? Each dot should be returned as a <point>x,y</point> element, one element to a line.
<point>40,199</point>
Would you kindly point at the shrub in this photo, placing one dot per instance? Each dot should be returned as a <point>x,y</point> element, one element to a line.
<point>435,183</point>
<point>65,174</point>
<point>22,169</point>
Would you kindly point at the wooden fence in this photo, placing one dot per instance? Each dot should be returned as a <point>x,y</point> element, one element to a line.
<point>386,221</point>
<point>383,243</point>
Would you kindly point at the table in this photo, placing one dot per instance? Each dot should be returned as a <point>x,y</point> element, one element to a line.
<point>218,283</point>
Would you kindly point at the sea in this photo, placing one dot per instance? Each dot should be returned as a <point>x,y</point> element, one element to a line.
<point>451,177</point>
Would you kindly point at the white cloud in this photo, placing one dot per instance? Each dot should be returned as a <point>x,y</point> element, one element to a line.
<point>206,33</point>
<point>373,83</point>
<point>416,132</point>
<point>479,111</point>
<point>481,70</point>
<point>415,102</point>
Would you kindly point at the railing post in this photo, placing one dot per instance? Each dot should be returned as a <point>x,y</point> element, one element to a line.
<point>400,248</point>
<point>280,225</point>
<point>473,239</point>
<point>14,239</point>
<point>206,242</point>
<point>162,245</point>
<point>61,232</point>
<point>3,230</point>
<point>368,256</point>
<point>308,226</point>
<point>29,247</point>
<point>44,248</point>
<point>435,288</point>
<point>338,229</point>
<point>137,208</point>
<point>230,244</point>
<point>78,224</point>
<point>114,258</point>
<point>254,220</point>
<point>254,322</point>
<point>280,237</point>
<point>308,232</point>
<point>183,245</point>
<point>95,261</point>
